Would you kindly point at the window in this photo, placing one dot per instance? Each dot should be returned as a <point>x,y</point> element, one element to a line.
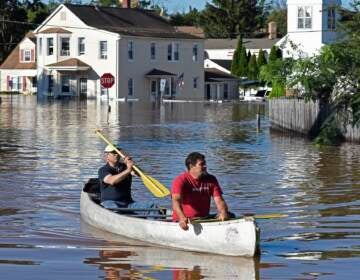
<point>173,52</point>
<point>130,50</point>
<point>15,83</point>
<point>81,46</point>
<point>195,53</point>
<point>152,51</point>
<point>40,46</point>
<point>50,46</point>
<point>65,46</point>
<point>195,82</point>
<point>103,49</point>
<point>130,87</point>
<point>50,83</point>
<point>331,20</point>
<point>27,55</point>
<point>304,17</point>
<point>65,84</point>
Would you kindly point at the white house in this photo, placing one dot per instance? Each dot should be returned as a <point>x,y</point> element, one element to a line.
<point>148,57</point>
<point>311,24</point>
<point>18,71</point>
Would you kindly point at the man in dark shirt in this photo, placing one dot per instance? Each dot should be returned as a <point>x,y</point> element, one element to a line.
<point>115,182</point>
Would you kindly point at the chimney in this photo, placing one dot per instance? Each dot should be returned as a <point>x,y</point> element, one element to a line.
<point>272,30</point>
<point>125,3</point>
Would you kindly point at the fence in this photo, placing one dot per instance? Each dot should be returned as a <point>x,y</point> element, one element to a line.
<point>304,117</point>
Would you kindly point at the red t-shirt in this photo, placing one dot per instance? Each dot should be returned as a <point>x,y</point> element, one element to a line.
<point>195,194</point>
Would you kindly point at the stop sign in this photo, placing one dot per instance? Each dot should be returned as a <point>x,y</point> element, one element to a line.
<point>107,80</point>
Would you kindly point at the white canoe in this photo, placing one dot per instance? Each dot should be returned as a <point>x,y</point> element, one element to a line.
<point>237,237</point>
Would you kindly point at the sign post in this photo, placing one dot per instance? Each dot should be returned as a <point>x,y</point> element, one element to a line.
<point>107,80</point>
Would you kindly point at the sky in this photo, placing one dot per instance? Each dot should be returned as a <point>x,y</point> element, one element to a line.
<point>174,6</point>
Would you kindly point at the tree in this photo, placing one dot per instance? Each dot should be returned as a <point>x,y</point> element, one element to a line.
<point>243,63</point>
<point>275,53</point>
<point>261,60</point>
<point>236,58</point>
<point>13,19</point>
<point>231,18</point>
<point>37,11</point>
<point>191,18</point>
<point>253,70</point>
<point>248,56</point>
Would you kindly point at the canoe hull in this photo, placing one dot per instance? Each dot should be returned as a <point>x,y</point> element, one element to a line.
<point>233,238</point>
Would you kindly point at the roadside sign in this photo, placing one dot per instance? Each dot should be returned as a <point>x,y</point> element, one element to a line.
<point>107,80</point>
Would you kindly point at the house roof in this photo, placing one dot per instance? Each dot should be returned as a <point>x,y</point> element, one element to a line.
<point>194,30</point>
<point>126,21</point>
<point>157,72</point>
<point>250,43</point>
<point>225,63</point>
<point>215,75</point>
<point>13,59</point>
<point>55,30</point>
<point>71,62</point>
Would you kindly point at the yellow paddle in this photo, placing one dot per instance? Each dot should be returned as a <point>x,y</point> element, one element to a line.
<point>155,187</point>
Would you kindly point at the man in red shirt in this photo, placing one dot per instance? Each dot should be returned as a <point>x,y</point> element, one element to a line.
<point>191,192</point>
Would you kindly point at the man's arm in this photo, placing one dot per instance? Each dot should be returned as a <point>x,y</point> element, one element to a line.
<point>114,179</point>
<point>222,208</point>
<point>176,205</point>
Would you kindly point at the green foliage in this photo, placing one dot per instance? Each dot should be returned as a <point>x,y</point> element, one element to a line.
<point>108,3</point>
<point>13,13</point>
<point>330,134</point>
<point>274,55</point>
<point>261,60</point>
<point>236,58</point>
<point>253,70</point>
<point>230,19</point>
<point>278,90</point>
<point>243,64</point>
<point>191,18</point>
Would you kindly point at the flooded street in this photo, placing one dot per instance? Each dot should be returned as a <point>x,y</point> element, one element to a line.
<point>48,150</point>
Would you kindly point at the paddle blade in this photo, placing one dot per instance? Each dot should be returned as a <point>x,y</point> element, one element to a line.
<point>271,216</point>
<point>156,188</point>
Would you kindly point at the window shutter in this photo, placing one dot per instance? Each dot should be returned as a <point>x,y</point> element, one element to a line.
<point>21,55</point>
<point>33,55</point>
<point>8,83</point>
<point>24,83</point>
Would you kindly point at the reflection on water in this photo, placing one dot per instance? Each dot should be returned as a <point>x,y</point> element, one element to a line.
<point>133,259</point>
<point>49,149</point>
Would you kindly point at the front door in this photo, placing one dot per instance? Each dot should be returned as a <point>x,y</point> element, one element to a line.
<point>83,87</point>
<point>155,89</point>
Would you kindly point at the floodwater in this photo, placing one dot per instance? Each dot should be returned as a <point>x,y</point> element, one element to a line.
<point>49,149</point>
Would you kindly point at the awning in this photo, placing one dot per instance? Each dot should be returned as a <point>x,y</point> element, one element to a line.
<point>71,64</point>
<point>156,73</point>
<point>215,75</point>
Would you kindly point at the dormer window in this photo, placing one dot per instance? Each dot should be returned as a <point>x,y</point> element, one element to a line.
<point>304,17</point>
<point>27,55</point>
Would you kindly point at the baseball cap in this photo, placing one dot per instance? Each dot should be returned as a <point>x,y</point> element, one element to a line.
<point>109,149</point>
